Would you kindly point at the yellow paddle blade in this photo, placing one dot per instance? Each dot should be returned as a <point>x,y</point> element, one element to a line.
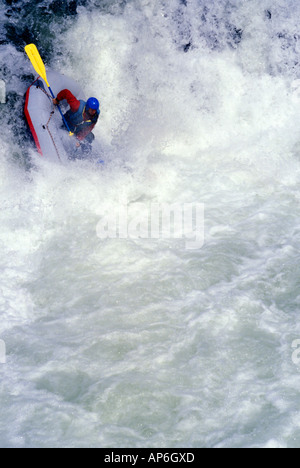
<point>37,62</point>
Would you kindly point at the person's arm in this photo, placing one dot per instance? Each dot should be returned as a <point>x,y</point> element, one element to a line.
<point>70,98</point>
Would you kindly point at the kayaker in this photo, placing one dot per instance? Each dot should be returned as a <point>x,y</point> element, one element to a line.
<point>81,117</point>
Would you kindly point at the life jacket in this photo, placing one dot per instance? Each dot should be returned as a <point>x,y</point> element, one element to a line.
<point>76,120</point>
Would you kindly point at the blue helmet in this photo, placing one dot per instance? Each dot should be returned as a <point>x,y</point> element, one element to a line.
<point>92,103</point>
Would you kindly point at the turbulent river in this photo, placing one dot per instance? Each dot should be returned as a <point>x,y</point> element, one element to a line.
<point>114,337</point>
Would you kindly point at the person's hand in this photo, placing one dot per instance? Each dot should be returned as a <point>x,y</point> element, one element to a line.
<point>77,144</point>
<point>55,101</point>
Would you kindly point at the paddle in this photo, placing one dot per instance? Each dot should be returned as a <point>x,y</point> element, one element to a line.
<point>38,65</point>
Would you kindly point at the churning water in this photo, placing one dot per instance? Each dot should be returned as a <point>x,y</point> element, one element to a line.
<point>136,342</point>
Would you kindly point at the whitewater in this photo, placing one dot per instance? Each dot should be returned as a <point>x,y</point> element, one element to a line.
<point>141,342</point>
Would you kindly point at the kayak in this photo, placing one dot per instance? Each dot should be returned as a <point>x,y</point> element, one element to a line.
<point>52,140</point>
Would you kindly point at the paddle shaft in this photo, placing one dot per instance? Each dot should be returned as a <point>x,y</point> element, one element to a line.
<point>63,117</point>
<point>38,64</point>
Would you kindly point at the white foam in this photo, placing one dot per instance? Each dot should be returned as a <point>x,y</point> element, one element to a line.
<point>140,342</point>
